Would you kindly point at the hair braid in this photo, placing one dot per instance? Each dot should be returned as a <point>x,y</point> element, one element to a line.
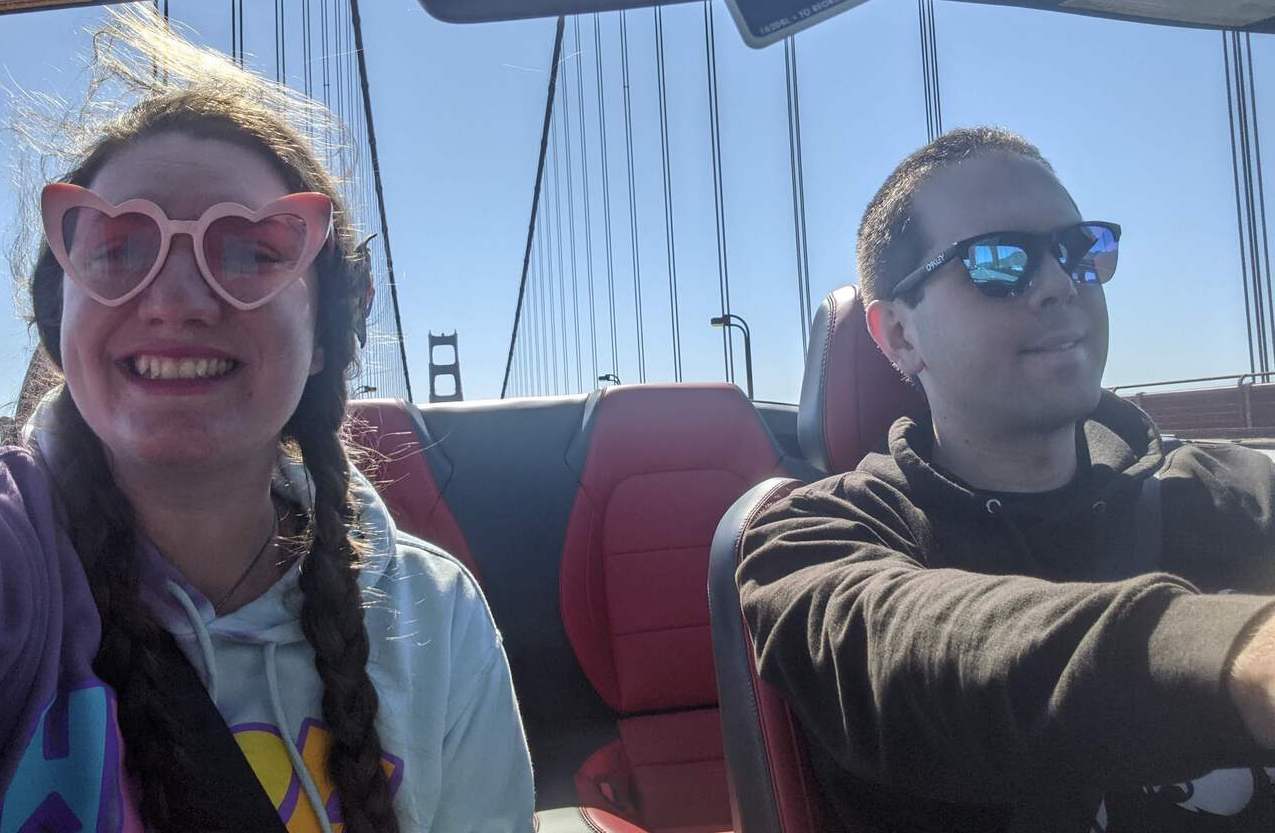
<point>100,524</point>
<point>332,618</point>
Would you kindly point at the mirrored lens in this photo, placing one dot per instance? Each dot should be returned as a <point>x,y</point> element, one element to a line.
<point>1089,253</point>
<point>996,267</point>
<point>250,260</point>
<point>110,255</point>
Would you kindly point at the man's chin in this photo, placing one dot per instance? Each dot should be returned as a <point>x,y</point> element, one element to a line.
<point>1064,408</point>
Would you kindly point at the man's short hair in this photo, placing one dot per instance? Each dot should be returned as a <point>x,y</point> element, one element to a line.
<point>891,242</point>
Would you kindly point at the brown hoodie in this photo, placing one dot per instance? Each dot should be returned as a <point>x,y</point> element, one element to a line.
<point>963,660</point>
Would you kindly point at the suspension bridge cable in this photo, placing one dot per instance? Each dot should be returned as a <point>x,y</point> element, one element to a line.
<point>306,50</point>
<point>584,181</point>
<point>798,177</point>
<point>323,36</point>
<point>545,291</point>
<point>546,251</point>
<point>571,230</point>
<point>930,69</point>
<point>535,197</point>
<point>1246,174</point>
<point>561,261</point>
<point>715,140</point>
<point>606,193</point>
<point>633,219</point>
<point>670,245</point>
<point>278,45</point>
<point>1259,177</point>
<point>1239,211</point>
<point>378,187</point>
<point>533,326</point>
<point>934,64</point>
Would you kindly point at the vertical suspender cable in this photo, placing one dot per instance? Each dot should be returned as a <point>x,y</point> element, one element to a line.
<point>323,37</point>
<point>715,140</point>
<point>798,176</point>
<point>1239,211</point>
<point>571,231</point>
<point>535,198</point>
<point>278,45</point>
<point>374,157</point>
<point>606,194</point>
<point>934,64</point>
<point>561,261</point>
<point>533,301</point>
<point>925,71</point>
<point>1246,173</point>
<point>283,43</point>
<point>1261,188</point>
<point>670,247</point>
<point>306,50</point>
<point>930,69</point>
<point>547,254</point>
<point>633,220</point>
<point>588,220</point>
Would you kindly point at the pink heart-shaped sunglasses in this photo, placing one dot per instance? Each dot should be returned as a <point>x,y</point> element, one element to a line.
<point>246,256</point>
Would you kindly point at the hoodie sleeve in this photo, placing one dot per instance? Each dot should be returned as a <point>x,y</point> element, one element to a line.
<point>486,778</point>
<point>975,688</point>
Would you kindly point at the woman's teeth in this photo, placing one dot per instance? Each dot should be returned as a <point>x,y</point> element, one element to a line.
<point>157,367</point>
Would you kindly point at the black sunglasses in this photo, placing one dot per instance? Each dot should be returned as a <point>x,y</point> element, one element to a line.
<point>1003,263</point>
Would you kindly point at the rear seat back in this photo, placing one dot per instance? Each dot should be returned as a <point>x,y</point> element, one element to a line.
<point>658,466</point>
<point>410,470</point>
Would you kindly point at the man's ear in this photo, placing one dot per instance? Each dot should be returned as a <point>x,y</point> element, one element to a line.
<point>887,323</point>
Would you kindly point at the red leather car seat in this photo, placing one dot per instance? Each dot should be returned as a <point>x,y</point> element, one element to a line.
<point>410,471</point>
<point>850,396</point>
<point>658,466</point>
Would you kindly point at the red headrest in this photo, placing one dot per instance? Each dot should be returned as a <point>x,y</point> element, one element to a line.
<point>659,465</point>
<point>851,394</point>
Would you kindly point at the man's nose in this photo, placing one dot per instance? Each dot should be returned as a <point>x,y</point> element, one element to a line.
<point>1051,284</point>
<point>179,295</point>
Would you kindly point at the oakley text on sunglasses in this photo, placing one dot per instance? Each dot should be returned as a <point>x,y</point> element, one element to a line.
<point>247,256</point>
<point>1003,263</point>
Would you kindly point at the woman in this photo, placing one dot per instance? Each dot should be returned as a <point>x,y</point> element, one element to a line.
<point>201,291</point>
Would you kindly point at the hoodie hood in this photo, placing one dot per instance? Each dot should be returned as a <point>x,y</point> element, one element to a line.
<point>1119,447</point>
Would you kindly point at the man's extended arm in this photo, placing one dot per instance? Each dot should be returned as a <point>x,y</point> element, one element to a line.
<point>970,687</point>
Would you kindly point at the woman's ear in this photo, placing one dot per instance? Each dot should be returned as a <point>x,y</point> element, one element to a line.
<point>316,360</point>
<point>888,323</point>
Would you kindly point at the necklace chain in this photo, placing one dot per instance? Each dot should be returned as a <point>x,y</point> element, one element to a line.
<point>265,545</point>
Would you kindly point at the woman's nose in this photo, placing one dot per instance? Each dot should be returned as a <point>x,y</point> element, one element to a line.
<point>179,294</point>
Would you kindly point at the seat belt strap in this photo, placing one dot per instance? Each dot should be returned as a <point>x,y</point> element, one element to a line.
<point>229,796</point>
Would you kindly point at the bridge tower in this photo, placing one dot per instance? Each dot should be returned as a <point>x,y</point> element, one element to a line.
<point>444,369</point>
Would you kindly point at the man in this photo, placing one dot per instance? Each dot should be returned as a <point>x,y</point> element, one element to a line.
<point>972,628</point>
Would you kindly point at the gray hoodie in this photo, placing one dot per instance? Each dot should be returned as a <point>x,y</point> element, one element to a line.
<point>448,719</point>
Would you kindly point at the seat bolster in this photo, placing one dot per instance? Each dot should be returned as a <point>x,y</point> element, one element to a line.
<point>771,787</point>
<point>410,471</point>
<point>850,393</point>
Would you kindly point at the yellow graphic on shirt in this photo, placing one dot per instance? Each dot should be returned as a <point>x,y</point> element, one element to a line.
<point>263,746</point>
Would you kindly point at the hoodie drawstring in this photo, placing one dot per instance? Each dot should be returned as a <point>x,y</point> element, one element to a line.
<point>294,754</point>
<point>206,654</point>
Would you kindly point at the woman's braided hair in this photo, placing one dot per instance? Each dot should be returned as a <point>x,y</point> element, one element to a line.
<point>184,89</point>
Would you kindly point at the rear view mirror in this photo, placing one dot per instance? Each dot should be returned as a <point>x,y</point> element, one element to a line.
<point>482,11</point>
<point>10,6</point>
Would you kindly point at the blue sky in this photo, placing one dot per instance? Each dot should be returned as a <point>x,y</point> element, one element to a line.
<point>1133,117</point>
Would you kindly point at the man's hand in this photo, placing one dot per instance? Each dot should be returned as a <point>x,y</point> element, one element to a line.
<point>1251,681</point>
